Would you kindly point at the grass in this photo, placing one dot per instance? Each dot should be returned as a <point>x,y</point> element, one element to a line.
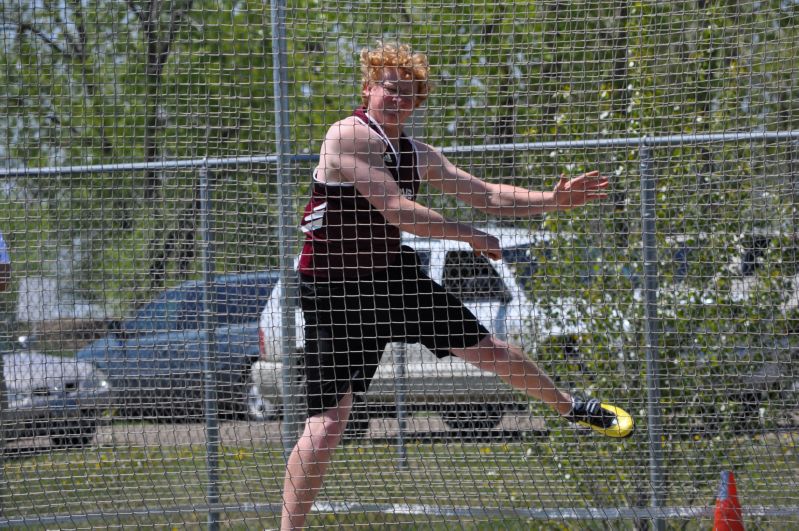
<point>565,470</point>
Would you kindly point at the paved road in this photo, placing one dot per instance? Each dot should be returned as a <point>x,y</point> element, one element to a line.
<point>260,433</point>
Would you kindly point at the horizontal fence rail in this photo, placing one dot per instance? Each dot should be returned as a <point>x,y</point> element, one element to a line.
<point>230,162</point>
<point>588,513</point>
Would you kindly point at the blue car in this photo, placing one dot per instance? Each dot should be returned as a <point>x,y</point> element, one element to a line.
<point>154,359</point>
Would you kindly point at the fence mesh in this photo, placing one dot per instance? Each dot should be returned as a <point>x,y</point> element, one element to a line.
<point>146,229</point>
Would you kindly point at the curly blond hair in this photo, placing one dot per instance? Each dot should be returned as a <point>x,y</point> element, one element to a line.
<point>411,65</point>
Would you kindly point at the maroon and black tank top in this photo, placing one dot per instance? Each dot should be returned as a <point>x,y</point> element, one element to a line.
<point>345,236</point>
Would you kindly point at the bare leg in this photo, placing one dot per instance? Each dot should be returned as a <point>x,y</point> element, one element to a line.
<point>308,462</point>
<point>514,367</point>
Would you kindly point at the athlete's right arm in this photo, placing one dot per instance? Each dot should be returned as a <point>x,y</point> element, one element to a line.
<point>351,153</point>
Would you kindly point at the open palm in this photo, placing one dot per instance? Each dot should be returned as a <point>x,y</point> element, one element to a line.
<point>580,190</point>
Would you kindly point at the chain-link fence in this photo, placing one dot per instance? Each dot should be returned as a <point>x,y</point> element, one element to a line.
<point>153,244</point>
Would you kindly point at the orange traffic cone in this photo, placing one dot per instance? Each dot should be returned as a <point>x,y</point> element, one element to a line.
<point>728,516</point>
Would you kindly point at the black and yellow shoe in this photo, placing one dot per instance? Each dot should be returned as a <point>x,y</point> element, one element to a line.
<point>608,420</point>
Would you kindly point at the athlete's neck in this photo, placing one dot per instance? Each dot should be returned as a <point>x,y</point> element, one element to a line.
<point>390,128</point>
<point>393,133</point>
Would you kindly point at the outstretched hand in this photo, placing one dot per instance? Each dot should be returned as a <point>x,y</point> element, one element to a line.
<point>580,190</point>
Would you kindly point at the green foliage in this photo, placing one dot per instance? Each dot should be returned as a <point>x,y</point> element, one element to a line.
<point>82,86</point>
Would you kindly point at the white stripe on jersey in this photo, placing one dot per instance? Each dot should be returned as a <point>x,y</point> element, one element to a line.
<point>314,220</point>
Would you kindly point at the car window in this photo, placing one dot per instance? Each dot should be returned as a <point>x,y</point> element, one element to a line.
<point>175,309</point>
<point>241,301</point>
<point>472,278</point>
<point>236,299</point>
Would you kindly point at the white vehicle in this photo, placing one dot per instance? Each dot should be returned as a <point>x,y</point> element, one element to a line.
<point>467,397</point>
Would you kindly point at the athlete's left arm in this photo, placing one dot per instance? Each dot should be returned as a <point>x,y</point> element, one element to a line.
<point>503,199</point>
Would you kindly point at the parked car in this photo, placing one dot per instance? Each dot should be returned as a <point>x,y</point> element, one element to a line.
<point>51,396</point>
<point>154,359</point>
<point>494,291</point>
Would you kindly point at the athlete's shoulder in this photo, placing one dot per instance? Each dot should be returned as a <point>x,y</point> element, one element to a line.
<point>349,127</point>
<point>352,135</point>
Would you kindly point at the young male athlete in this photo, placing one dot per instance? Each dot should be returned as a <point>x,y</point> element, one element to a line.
<point>360,290</point>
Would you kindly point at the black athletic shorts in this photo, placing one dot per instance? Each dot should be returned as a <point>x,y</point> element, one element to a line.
<point>348,324</point>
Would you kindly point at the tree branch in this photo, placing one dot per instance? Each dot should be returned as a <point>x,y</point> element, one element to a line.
<point>80,27</point>
<point>33,30</point>
<point>175,19</point>
<point>135,10</point>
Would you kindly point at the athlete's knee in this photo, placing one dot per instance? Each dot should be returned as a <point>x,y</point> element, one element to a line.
<point>495,350</point>
<point>500,357</point>
<point>327,427</point>
<point>320,438</point>
<point>483,355</point>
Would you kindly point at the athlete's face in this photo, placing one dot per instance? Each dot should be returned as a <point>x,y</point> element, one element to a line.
<point>392,99</point>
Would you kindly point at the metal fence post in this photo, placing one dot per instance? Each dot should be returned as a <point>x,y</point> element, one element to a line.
<point>400,392</point>
<point>209,354</point>
<point>652,326</point>
<point>5,339</point>
<point>293,401</point>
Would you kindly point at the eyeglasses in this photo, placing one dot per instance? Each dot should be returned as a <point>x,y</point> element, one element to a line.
<point>391,89</point>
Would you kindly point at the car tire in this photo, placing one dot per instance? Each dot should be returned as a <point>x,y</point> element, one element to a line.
<point>74,436</point>
<point>473,417</point>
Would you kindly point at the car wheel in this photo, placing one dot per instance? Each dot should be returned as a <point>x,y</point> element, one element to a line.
<point>259,407</point>
<point>473,417</point>
<point>74,436</point>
